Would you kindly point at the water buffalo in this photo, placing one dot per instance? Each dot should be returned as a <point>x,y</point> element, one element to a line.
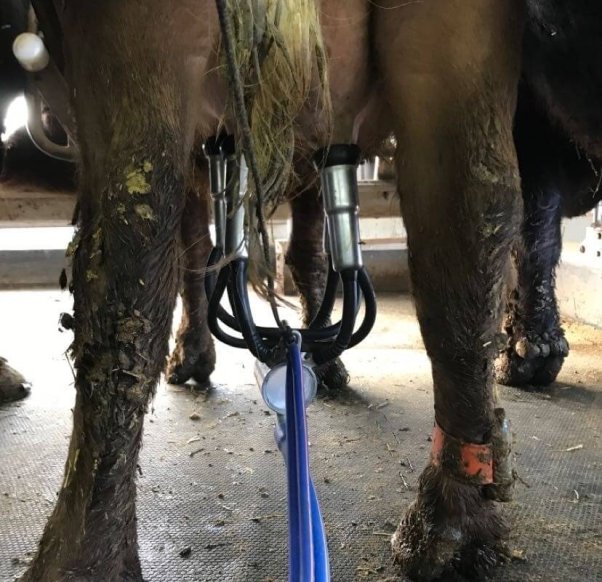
<point>443,76</point>
<point>146,88</point>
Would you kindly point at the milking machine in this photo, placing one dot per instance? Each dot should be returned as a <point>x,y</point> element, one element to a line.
<point>45,87</point>
<point>286,357</point>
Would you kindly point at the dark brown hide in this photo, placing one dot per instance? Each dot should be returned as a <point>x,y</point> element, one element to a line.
<point>141,75</point>
<point>194,354</point>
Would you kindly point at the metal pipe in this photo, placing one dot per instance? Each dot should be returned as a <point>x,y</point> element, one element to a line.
<point>44,79</point>
<point>217,188</point>
<point>236,187</point>
<point>338,174</point>
<point>37,133</point>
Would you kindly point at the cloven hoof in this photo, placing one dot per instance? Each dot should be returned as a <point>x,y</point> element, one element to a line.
<point>332,377</point>
<point>13,385</point>
<point>532,359</point>
<point>192,359</point>
<point>427,552</point>
<point>452,531</point>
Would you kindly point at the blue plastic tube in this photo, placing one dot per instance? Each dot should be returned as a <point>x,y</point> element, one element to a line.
<point>308,550</point>
<point>301,558</point>
<point>321,561</point>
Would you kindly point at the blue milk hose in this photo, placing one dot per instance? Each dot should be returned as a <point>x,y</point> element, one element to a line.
<point>308,550</point>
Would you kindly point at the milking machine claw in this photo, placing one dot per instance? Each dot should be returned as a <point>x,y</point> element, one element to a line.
<point>286,377</point>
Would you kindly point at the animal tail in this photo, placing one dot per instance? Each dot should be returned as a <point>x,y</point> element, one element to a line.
<point>276,59</point>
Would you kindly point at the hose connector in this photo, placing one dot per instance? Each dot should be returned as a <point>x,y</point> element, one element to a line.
<point>228,185</point>
<point>272,383</point>
<point>236,188</point>
<point>338,174</point>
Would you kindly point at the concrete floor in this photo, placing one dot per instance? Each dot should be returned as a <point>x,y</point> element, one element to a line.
<point>216,484</point>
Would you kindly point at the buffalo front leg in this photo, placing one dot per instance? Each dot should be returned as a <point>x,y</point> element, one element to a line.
<point>557,179</point>
<point>536,346</point>
<point>194,354</point>
<point>309,268</point>
<point>451,70</point>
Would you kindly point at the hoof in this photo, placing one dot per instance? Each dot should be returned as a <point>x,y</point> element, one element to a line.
<point>182,372</point>
<point>191,362</point>
<point>532,359</point>
<point>66,321</point>
<point>450,533</point>
<point>332,377</point>
<point>13,385</point>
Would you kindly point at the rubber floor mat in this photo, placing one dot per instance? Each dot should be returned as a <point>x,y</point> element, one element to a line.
<point>211,489</point>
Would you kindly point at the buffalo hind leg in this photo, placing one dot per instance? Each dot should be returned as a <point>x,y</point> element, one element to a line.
<point>194,354</point>
<point>125,277</point>
<point>306,259</point>
<point>125,286</point>
<point>451,69</point>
